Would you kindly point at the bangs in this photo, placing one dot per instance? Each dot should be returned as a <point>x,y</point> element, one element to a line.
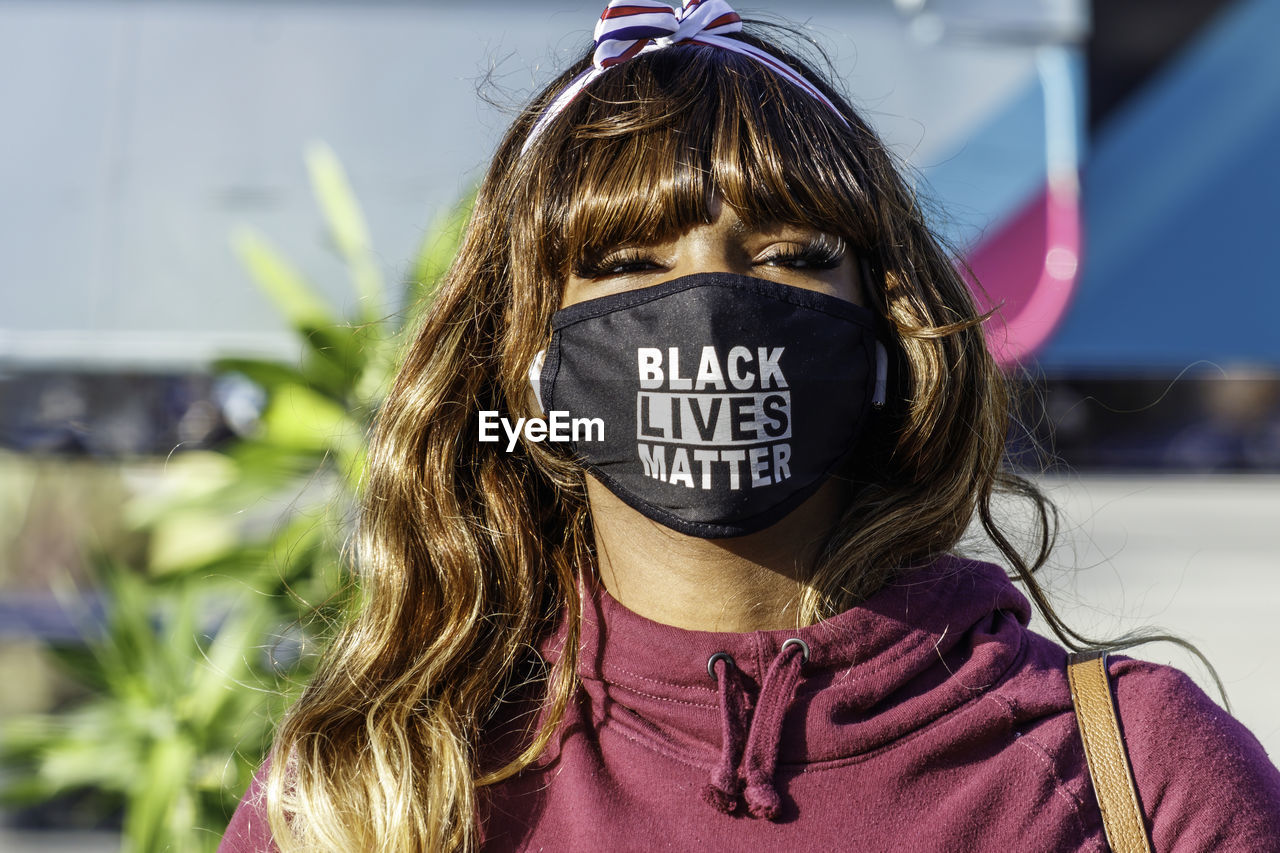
<point>642,152</point>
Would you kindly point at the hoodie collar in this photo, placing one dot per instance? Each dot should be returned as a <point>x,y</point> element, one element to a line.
<point>930,640</point>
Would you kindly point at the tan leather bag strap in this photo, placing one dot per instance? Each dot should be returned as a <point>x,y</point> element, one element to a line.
<point>1104,750</point>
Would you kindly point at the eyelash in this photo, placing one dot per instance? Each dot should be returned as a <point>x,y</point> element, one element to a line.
<point>611,263</point>
<point>823,253</point>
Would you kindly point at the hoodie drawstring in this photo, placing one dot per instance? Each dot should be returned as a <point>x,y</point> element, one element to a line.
<point>761,757</point>
<point>764,735</point>
<point>723,789</point>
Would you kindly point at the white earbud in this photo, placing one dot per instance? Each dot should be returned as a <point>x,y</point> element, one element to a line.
<point>535,378</point>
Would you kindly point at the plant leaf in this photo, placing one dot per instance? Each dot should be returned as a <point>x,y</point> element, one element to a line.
<point>438,249</point>
<point>281,281</point>
<point>347,226</point>
<point>300,418</point>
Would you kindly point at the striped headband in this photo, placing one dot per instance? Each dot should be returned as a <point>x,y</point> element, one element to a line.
<point>628,28</point>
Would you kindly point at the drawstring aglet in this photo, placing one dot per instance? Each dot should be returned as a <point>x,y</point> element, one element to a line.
<point>725,802</point>
<point>763,801</point>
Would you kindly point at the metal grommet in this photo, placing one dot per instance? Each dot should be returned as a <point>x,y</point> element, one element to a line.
<point>711,663</point>
<point>804,647</point>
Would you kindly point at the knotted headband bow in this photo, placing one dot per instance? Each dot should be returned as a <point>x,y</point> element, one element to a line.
<point>628,28</point>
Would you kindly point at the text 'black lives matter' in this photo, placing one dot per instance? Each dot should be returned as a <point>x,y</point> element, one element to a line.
<point>720,418</point>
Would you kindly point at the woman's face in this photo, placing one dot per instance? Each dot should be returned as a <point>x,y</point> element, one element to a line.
<point>788,254</point>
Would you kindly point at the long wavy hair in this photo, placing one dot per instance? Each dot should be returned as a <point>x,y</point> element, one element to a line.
<point>468,555</point>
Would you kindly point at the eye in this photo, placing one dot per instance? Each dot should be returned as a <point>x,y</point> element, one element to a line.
<point>823,252</point>
<point>619,262</point>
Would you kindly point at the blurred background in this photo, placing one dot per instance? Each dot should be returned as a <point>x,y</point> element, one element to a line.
<point>217,214</point>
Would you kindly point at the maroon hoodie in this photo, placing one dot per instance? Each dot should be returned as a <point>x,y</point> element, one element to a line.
<point>927,718</point>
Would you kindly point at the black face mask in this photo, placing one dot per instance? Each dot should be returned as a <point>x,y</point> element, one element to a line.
<point>726,400</point>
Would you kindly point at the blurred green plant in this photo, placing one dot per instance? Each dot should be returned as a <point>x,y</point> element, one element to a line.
<point>201,648</point>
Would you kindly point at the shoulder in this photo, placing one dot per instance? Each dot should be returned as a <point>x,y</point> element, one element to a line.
<point>250,830</point>
<point>1204,780</point>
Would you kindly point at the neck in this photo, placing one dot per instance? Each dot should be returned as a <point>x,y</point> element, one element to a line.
<point>747,583</point>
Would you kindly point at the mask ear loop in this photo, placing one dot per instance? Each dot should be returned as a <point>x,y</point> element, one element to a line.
<point>535,378</point>
<point>882,355</point>
<point>882,377</point>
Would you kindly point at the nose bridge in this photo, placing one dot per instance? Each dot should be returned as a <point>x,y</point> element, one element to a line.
<point>717,247</point>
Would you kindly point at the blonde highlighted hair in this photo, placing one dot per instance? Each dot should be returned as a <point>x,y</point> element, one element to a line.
<point>468,555</point>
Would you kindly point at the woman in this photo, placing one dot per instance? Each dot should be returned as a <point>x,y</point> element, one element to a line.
<point>721,612</point>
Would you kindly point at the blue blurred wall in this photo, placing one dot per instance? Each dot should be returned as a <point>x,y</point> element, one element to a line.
<point>1182,207</point>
